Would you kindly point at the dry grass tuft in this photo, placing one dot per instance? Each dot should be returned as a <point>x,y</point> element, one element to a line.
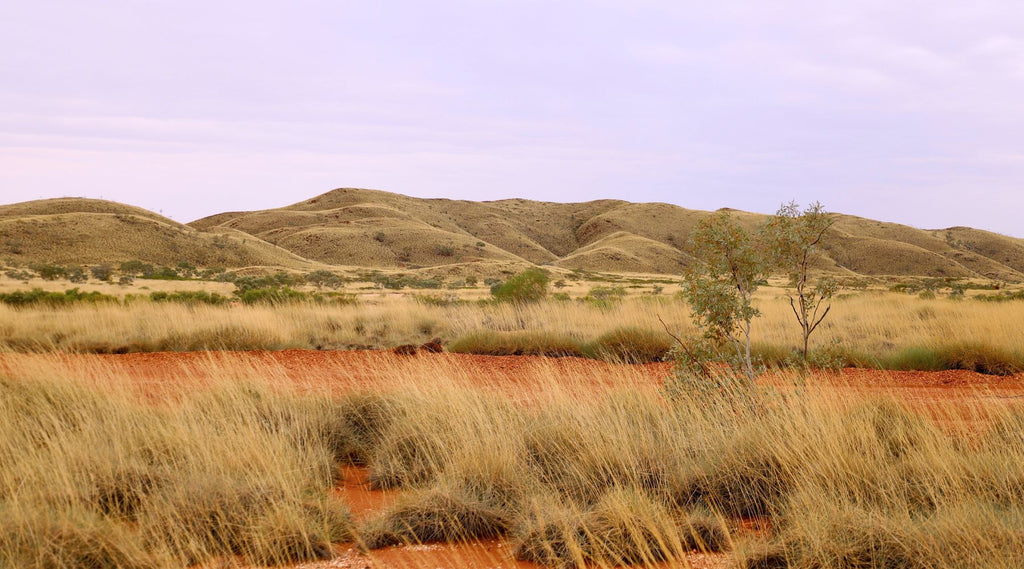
<point>440,514</point>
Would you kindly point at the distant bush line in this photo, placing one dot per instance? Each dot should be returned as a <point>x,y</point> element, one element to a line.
<point>265,295</point>
<point>40,297</point>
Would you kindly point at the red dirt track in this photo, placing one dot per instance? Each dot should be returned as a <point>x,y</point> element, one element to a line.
<point>167,372</point>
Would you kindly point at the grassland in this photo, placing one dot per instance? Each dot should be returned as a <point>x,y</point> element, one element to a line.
<point>96,473</point>
<point>868,329</point>
<point>230,467</point>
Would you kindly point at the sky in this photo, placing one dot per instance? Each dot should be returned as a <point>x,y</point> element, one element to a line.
<point>897,110</point>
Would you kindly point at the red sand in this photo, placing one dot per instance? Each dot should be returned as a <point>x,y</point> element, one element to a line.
<point>169,372</point>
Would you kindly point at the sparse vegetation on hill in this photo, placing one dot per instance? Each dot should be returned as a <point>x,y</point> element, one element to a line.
<point>380,229</point>
<point>349,228</point>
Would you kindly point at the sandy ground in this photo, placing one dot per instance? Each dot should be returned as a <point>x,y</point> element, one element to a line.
<point>162,375</point>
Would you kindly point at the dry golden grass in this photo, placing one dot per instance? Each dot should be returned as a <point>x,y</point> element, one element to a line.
<point>93,476</point>
<point>871,329</point>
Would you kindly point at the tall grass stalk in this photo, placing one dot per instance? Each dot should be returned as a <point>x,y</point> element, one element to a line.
<point>92,475</point>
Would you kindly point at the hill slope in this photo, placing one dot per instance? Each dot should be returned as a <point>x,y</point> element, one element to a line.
<point>380,229</point>
<point>373,229</point>
<point>82,231</point>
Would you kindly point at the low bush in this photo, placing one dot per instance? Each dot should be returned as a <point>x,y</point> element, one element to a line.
<point>1004,296</point>
<point>528,286</point>
<point>977,357</point>
<point>272,295</point>
<point>190,297</point>
<point>398,282</point>
<point>439,300</point>
<point>631,345</point>
<point>491,343</point>
<point>38,296</point>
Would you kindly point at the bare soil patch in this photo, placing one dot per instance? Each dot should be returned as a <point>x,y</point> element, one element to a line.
<point>163,373</point>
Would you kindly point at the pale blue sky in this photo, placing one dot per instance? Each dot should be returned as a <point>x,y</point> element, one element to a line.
<point>900,111</point>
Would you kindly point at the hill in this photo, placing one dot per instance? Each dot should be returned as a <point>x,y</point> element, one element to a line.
<point>83,231</point>
<point>380,229</point>
<point>352,228</point>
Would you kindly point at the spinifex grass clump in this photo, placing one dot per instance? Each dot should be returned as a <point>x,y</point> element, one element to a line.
<point>539,343</point>
<point>92,477</point>
<point>633,478</point>
<point>631,345</point>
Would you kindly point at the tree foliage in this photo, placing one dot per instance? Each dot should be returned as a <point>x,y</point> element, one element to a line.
<point>793,239</point>
<point>720,285</point>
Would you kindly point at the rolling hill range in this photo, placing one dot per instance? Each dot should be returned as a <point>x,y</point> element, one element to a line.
<point>86,231</point>
<point>350,228</point>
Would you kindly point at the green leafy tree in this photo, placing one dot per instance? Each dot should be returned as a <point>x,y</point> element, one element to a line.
<point>793,238</point>
<point>720,285</point>
<point>530,285</point>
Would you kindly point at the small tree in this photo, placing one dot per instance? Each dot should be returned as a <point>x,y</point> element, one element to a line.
<point>530,285</point>
<point>793,239</point>
<point>720,286</point>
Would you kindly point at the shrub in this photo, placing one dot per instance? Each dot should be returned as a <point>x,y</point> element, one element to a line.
<point>102,272</point>
<point>77,275</point>
<point>272,295</point>
<point>189,297</point>
<point>398,282</point>
<point>1005,296</point>
<point>38,296</point>
<point>631,345</point>
<point>528,286</point>
<point>490,343</point>
<point>18,275</point>
<point>438,300</point>
<point>323,278</point>
<point>50,272</point>
<point>967,356</point>
<point>609,293</point>
<point>135,268</point>
<point>161,273</point>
